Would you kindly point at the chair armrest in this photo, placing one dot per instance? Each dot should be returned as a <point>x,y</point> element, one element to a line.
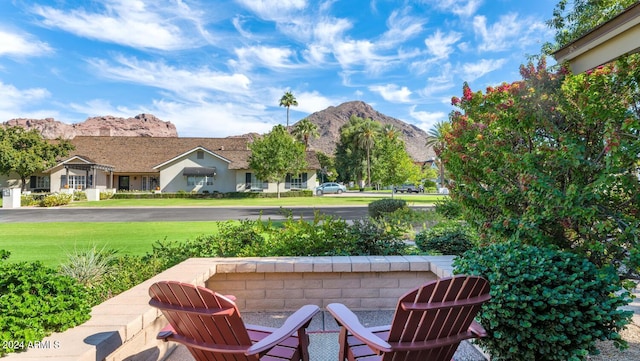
<point>349,320</point>
<point>477,329</point>
<point>300,319</point>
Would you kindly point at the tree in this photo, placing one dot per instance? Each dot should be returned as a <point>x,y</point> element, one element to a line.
<point>391,162</point>
<point>350,159</point>
<point>550,161</point>
<point>26,152</point>
<point>327,171</point>
<point>287,101</point>
<point>304,130</point>
<point>435,140</point>
<point>276,155</point>
<point>365,138</point>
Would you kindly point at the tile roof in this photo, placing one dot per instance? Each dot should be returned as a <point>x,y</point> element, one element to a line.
<point>141,154</point>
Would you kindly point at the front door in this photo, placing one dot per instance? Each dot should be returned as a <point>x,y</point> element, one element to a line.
<point>123,183</point>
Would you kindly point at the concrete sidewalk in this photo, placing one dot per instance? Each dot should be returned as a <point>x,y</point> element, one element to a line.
<point>323,334</point>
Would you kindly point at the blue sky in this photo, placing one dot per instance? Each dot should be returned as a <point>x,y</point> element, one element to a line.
<point>219,68</point>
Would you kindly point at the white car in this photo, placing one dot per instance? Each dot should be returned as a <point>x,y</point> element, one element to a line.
<point>330,187</point>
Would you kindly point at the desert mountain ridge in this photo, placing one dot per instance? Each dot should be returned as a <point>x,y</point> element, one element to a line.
<point>328,122</point>
<point>142,125</point>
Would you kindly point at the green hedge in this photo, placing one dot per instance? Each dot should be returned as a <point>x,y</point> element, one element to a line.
<point>545,304</point>
<point>448,238</point>
<point>127,195</point>
<point>35,301</point>
<point>377,209</point>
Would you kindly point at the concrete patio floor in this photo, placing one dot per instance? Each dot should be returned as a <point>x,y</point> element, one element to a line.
<point>323,334</point>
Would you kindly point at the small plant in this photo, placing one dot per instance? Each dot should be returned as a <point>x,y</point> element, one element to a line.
<point>378,208</point>
<point>56,199</point>
<point>449,238</point>
<point>545,304</point>
<point>88,266</point>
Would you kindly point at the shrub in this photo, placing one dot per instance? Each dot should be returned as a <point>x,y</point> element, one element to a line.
<point>27,200</point>
<point>386,205</point>
<point>375,238</point>
<point>450,238</point>
<point>56,199</point>
<point>124,272</point>
<point>106,195</point>
<point>545,304</point>
<point>35,302</point>
<point>449,208</point>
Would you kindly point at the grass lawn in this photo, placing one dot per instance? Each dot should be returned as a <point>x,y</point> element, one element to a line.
<point>341,200</point>
<point>51,242</point>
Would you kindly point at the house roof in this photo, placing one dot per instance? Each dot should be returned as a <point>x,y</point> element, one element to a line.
<point>142,154</point>
<point>604,43</point>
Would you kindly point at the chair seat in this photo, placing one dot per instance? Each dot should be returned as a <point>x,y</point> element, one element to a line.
<point>287,349</point>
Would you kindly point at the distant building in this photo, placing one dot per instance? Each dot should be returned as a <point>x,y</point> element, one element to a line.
<point>169,164</point>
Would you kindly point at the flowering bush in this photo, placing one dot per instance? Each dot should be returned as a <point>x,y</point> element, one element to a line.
<point>550,160</point>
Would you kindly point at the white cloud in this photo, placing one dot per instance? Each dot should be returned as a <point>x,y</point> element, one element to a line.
<point>427,119</point>
<point>441,45</point>
<point>401,28</point>
<point>508,32</point>
<point>263,56</point>
<point>152,25</point>
<point>311,102</point>
<point>181,81</point>
<point>473,71</point>
<point>463,8</point>
<point>14,102</point>
<point>440,83</point>
<point>13,44</point>
<point>393,93</point>
<point>274,9</point>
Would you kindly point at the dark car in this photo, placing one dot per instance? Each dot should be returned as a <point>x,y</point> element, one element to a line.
<point>407,187</point>
<point>330,187</point>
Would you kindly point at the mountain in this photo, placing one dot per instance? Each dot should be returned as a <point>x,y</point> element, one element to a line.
<point>142,125</point>
<point>331,119</point>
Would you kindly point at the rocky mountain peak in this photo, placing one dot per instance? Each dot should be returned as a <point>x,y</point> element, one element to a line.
<point>331,119</point>
<point>142,125</point>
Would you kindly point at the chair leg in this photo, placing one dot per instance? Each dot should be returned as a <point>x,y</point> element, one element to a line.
<point>303,344</point>
<point>342,341</point>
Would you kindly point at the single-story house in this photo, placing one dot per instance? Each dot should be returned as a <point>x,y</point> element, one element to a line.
<point>164,164</point>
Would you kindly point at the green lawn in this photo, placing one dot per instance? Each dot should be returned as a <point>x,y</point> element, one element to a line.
<point>342,200</point>
<point>51,242</point>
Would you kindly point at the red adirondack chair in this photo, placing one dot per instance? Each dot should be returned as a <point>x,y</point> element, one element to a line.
<point>210,326</point>
<point>428,324</point>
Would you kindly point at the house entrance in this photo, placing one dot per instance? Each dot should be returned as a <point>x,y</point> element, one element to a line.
<point>123,183</point>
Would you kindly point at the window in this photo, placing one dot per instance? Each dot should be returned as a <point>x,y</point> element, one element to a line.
<point>252,182</point>
<point>296,182</point>
<point>39,182</point>
<point>193,180</point>
<point>200,154</point>
<point>75,181</point>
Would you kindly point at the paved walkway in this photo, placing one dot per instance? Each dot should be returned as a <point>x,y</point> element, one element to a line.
<point>323,335</point>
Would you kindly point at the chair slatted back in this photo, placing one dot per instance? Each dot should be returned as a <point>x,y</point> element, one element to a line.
<point>440,312</point>
<point>204,316</point>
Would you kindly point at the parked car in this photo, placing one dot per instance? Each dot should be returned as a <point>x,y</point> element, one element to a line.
<point>330,187</point>
<point>407,187</point>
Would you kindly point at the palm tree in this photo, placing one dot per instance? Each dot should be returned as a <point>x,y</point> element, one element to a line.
<point>304,130</point>
<point>435,140</point>
<point>366,139</point>
<point>288,100</point>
